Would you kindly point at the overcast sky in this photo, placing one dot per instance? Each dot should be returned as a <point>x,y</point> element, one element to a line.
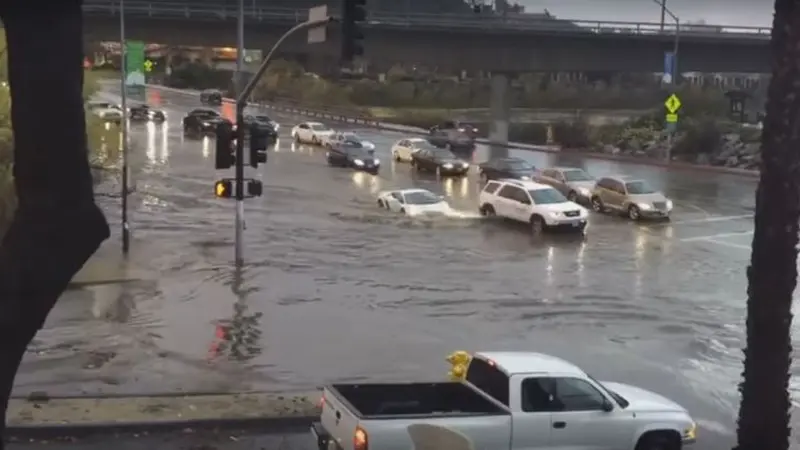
<point>728,12</point>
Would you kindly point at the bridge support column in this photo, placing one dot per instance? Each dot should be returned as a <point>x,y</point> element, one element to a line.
<point>500,112</point>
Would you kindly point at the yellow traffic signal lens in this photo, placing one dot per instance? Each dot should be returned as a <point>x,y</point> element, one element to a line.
<point>222,189</point>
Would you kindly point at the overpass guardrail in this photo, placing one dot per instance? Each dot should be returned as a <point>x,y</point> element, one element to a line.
<point>220,10</point>
<point>356,116</point>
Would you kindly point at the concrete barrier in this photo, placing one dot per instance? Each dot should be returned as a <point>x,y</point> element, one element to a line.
<point>355,117</point>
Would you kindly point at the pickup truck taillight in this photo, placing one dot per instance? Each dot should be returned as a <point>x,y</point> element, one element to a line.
<point>360,441</point>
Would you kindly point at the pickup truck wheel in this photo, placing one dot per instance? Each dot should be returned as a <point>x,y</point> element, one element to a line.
<point>597,205</point>
<point>537,225</point>
<point>487,210</point>
<point>659,440</point>
<point>634,213</point>
<point>572,196</point>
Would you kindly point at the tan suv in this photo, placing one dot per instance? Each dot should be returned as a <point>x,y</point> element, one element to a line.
<point>630,196</point>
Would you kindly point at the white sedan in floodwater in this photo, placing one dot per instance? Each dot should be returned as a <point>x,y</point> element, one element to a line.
<point>414,202</point>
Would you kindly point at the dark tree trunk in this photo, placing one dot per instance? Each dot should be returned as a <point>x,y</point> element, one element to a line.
<point>772,274</point>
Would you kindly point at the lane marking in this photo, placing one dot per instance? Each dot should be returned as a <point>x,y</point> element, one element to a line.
<point>713,219</point>
<point>715,236</point>
<point>729,244</point>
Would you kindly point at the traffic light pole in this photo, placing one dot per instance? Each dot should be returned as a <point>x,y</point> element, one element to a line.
<point>241,103</point>
<point>239,238</point>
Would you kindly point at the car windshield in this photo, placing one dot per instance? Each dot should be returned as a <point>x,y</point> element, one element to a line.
<point>318,127</point>
<point>425,145</point>
<point>359,152</point>
<point>577,175</point>
<point>351,137</point>
<point>547,196</point>
<point>263,119</point>
<point>422,198</point>
<point>639,187</point>
<point>519,166</point>
<point>442,153</point>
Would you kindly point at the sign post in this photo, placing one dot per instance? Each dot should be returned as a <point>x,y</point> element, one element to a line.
<point>673,105</point>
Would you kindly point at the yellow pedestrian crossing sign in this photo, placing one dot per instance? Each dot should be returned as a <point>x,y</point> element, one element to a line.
<point>673,104</point>
<point>148,66</point>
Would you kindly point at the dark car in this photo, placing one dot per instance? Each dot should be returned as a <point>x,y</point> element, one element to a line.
<point>500,168</point>
<point>453,135</point>
<point>146,113</point>
<point>264,125</point>
<point>439,161</point>
<point>211,97</point>
<point>355,155</point>
<point>202,121</point>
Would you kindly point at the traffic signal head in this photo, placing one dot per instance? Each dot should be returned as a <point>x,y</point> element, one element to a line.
<point>354,13</point>
<point>260,139</point>
<point>223,153</point>
<point>223,188</point>
<point>255,188</point>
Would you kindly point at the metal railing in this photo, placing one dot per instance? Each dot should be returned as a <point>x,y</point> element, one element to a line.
<point>513,22</point>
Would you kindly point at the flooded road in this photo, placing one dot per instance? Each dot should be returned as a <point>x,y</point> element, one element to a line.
<point>337,289</point>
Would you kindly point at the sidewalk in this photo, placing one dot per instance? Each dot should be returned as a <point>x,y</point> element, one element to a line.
<point>108,266</point>
<point>176,440</point>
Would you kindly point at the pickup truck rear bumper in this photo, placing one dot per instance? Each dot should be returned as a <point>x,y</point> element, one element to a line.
<point>322,437</point>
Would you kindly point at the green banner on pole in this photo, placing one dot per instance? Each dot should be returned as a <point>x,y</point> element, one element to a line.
<point>134,69</point>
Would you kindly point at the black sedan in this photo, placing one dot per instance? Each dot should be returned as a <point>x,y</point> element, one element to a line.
<point>146,113</point>
<point>439,161</point>
<point>499,168</point>
<point>264,124</point>
<point>353,155</point>
<point>202,121</point>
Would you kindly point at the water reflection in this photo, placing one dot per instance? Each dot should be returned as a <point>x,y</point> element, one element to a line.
<point>237,338</point>
<point>158,150</point>
<point>365,180</point>
<point>551,256</point>
<point>206,147</point>
<point>456,188</point>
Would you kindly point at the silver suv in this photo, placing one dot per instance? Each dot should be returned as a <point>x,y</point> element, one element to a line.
<point>631,196</point>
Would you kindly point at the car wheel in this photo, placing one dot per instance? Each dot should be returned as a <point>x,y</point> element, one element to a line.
<point>402,210</point>
<point>484,178</point>
<point>658,441</point>
<point>572,196</point>
<point>416,166</point>
<point>597,205</point>
<point>634,213</point>
<point>396,156</point>
<point>381,204</point>
<point>537,225</point>
<point>314,140</point>
<point>296,138</point>
<point>487,211</point>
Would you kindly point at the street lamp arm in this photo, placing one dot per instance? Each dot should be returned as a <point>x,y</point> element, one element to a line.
<point>251,85</point>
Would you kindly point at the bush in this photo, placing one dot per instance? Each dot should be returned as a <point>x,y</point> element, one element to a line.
<point>572,135</point>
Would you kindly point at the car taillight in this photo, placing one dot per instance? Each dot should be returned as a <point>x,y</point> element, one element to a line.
<point>321,403</point>
<point>360,441</point>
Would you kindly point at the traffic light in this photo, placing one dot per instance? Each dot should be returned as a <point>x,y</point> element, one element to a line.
<point>259,141</point>
<point>255,188</point>
<point>223,155</point>
<point>223,188</point>
<point>354,13</point>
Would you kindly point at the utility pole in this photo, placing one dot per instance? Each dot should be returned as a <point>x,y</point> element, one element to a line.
<point>663,13</point>
<point>126,232</point>
<point>239,175</point>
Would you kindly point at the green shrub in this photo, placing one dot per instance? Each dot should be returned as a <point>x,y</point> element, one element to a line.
<point>572,135</point>
<point>530,133</point>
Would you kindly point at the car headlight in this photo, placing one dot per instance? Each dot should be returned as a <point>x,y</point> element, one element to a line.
<point>584,192</point>
<point>690,434</point>
<point>555,214</point>
<point>465,165</point>
<point>669,204</point>
<point>448,166</point>
<point>525,178</point>
<point>358,162</point>
<point>376,161</point>
<point>645,206</point>
<point>276,126</point>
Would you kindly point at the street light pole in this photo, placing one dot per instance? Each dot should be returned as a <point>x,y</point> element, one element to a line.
<point>674,75</point>
<point>126,232</point>
<point>239,85</point>
<point>663,13</point>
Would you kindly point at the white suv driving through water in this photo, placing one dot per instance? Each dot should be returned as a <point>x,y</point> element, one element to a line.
<point>539,205</point>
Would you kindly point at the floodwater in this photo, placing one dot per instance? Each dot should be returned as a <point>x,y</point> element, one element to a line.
<point>336,289</point>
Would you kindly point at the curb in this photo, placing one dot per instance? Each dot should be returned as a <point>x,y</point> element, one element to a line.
<point>344,118</point>
<point>265,425</point>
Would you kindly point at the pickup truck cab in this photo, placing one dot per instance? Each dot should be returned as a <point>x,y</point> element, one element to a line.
<point>507,400</point>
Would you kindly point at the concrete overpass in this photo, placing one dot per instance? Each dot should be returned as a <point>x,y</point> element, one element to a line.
<point>517,43</point>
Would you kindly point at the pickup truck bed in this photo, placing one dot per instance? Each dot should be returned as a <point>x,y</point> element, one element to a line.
<point>372,401</point>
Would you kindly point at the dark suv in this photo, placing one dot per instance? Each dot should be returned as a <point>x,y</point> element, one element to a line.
<point>211,97</point>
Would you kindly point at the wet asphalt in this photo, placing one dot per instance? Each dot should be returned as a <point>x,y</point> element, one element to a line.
<point>337,289</point>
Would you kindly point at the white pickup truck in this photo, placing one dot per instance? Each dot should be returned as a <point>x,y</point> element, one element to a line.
<point>507,401</point>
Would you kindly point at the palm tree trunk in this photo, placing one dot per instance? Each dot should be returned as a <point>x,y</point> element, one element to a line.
<point>772,275</point>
